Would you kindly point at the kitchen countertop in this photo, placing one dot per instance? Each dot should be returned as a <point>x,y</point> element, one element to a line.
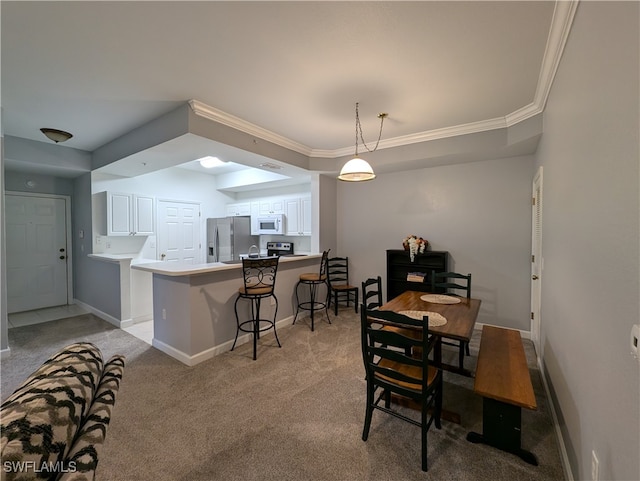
<point>117,258</point>
<point>180,269</point>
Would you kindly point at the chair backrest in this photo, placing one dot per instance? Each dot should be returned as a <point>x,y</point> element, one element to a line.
<point>372,292</point>
<point>323,264</point>
<point>259,275</point>
<point>451,281</point>
<point>385,356</point>
<point>338,271</point>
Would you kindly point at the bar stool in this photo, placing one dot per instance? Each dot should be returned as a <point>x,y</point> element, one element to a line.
<point>313,280</point>
<point>259,282</point>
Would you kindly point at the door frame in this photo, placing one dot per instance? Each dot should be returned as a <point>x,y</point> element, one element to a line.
<point>537,263</point>
<point>68,232</point>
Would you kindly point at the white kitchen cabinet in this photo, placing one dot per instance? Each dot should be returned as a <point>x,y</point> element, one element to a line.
<point>255,213</point>
<point>271,206</point>
<point>298,212</point>
<point>242,208</point>
<point>127,214</point>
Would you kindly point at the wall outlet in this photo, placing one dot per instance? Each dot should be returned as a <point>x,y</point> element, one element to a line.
<point>164,314</point>
<point>595,475</point>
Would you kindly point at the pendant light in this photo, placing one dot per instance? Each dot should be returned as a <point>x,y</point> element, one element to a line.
<point>357,169</point>
<point>56,135</point>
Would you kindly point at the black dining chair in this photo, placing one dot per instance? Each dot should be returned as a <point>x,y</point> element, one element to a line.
<point>341,290</point>
<point>453,283</point>
<point>390,370</point>
<point>372,292</point>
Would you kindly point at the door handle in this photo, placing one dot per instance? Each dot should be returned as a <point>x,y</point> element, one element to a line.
<point>534,277</point>
<point>162,256</point>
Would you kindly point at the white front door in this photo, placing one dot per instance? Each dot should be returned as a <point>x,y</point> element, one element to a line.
<point>36,230</point>
<point>536,260</point>
<point>179,232</point>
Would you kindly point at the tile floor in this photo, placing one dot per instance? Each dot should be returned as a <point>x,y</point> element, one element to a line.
<point>28,318</point>
<point>142,330</point>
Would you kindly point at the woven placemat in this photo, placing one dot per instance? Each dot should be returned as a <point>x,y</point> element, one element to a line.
<point>440,299</point>
<point>435,319</point>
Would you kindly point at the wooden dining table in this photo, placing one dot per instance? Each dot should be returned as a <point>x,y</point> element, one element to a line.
<point>461,319</point>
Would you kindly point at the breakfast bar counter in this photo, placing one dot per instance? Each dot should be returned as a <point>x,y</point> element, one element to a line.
<point>193,305</point>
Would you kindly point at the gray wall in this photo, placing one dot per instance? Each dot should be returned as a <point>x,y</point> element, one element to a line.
<point>590,245</point>
<point>95,283</point>
<point>479,212</point>
<point>4,320</point>
<point>44,184</point>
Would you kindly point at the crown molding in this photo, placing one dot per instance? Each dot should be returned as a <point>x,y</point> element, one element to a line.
<point>563,15</point>
<point>562,20</point>
<point>211,113</point>
<point>470,128</point>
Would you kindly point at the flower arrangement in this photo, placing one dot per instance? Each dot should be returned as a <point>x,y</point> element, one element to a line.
<point>415,245</point>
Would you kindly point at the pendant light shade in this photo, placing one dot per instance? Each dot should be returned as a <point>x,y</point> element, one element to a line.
<point>56,135</point>
<point>357,169</point>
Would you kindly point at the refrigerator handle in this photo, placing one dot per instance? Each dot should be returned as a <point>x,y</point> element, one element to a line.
<point>216,245</point>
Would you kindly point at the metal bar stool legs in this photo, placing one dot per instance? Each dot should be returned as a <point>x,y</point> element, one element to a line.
<point>259,282</point>
<point>313,280</point>
<point>254,322</point>
<point>313,304</point>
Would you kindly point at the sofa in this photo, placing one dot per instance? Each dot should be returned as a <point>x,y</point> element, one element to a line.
<point>54,424</point>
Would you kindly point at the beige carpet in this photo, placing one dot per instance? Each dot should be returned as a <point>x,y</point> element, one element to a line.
<point>294,414</point>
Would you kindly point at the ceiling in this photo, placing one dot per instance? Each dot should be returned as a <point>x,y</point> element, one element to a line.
<point>292,69</point>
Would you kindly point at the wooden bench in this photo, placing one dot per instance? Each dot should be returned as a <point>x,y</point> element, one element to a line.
<point>503,381</point>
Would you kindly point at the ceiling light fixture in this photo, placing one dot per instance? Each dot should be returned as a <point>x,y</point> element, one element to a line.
<point>210,162</point>
<point>357,169</point>
<point>56,135</point>
<point>269,165</point>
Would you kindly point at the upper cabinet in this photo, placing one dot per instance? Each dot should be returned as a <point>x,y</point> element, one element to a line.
<point>243,208</point>
<point>298,212</point>
<point>271,206</point>
<point>125,214</point>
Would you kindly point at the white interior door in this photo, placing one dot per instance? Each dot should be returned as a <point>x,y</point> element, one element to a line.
<point>36,232</point>
<point>536,260</point>
<point>178,234</point>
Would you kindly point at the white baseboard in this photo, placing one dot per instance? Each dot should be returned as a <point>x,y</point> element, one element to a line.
<point>102,315</point>
<point>192,360</point>
<point>5,353</point>
<point>564,457</point>
<point>523,334</point>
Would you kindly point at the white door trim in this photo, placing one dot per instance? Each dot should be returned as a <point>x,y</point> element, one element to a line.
<point>67,203</point>
<point>537,260</point>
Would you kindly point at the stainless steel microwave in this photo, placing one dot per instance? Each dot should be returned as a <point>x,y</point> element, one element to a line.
<point>271,224</point>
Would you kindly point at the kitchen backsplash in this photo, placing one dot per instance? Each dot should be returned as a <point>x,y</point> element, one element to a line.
<point>301,244</point>
<point>144,246</point>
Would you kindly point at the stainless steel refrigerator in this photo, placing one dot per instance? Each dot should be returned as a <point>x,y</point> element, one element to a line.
<point>228,237</point>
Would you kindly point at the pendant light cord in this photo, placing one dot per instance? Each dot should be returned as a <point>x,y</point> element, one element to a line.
<point>359,131</point>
